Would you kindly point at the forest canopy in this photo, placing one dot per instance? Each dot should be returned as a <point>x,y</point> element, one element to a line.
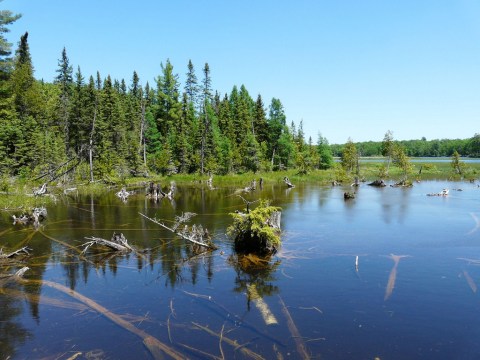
<point>115,127</point>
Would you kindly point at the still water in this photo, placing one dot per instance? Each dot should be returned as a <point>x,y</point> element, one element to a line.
<point>413,294</point>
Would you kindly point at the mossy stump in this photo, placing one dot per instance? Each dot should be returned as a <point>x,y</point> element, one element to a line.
<point>257,231</point>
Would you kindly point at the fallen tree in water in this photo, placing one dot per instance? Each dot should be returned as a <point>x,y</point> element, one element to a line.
<point>117,243</point>
<point>257,231</point>
<point>195,234</point>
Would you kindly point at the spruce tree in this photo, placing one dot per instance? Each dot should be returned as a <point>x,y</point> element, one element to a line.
<point>64,80</point>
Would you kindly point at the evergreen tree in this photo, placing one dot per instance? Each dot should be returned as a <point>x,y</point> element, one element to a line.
<point>191,84</point>
<point>325,153</point>
<point>276,126</point>
<point>349,156</point>
<point>6,18</point>
<point>387,149</point>
<point>260,125</point>
<point>64,80</point>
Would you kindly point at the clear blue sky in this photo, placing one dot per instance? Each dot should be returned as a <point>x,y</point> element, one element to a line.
<point>346,68</point>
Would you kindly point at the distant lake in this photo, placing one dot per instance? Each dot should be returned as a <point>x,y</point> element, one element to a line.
<point>413,295</point>
<point>420,160</point>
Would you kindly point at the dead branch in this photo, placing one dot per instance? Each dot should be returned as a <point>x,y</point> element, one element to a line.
<point>24,250</point>
<point>117,243</point>
<point>196,234</point>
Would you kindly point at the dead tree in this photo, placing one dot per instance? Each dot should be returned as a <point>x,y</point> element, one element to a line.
<point>117,243</point>
<point>196,234</point>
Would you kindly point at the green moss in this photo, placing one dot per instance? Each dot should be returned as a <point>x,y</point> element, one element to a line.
<point>253,231</point>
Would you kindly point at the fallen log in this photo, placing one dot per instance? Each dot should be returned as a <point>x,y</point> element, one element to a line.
<point>301,348</point>
<point>196,234</point>
<point>156,348</point>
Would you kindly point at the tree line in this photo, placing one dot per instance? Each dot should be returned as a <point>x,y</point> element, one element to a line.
<point>419,148</point>
<point>102,127</point>
<point>106,127</point>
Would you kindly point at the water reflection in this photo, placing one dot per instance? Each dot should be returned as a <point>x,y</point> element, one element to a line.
<point>323,233</point>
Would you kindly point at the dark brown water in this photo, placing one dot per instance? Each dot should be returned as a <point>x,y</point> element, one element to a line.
<point>423,305</point>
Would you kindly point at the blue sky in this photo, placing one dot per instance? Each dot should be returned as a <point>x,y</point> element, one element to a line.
<point>349,68</point>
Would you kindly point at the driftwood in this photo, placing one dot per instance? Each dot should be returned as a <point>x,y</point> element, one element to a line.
<point>23,250</point>
<point>117,243</point>
<point>196,234</point>
<point>287,181</point>
<point>37,215</point>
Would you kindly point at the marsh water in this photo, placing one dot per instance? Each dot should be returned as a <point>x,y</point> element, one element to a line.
<point>410,294</point>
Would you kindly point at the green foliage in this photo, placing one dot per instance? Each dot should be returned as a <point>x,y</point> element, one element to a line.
<point>252,227</point>
<point>458,165</point>
<point>349,156</point>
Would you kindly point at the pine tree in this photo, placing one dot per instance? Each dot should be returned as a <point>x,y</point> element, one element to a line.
<point>276,125</point>
<point>325,153</point>
<point>191,84</point>
<point>64,80</point>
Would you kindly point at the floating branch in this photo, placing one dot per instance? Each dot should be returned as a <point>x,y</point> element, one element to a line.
<point>196,234</point>
<point>117,243</point>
